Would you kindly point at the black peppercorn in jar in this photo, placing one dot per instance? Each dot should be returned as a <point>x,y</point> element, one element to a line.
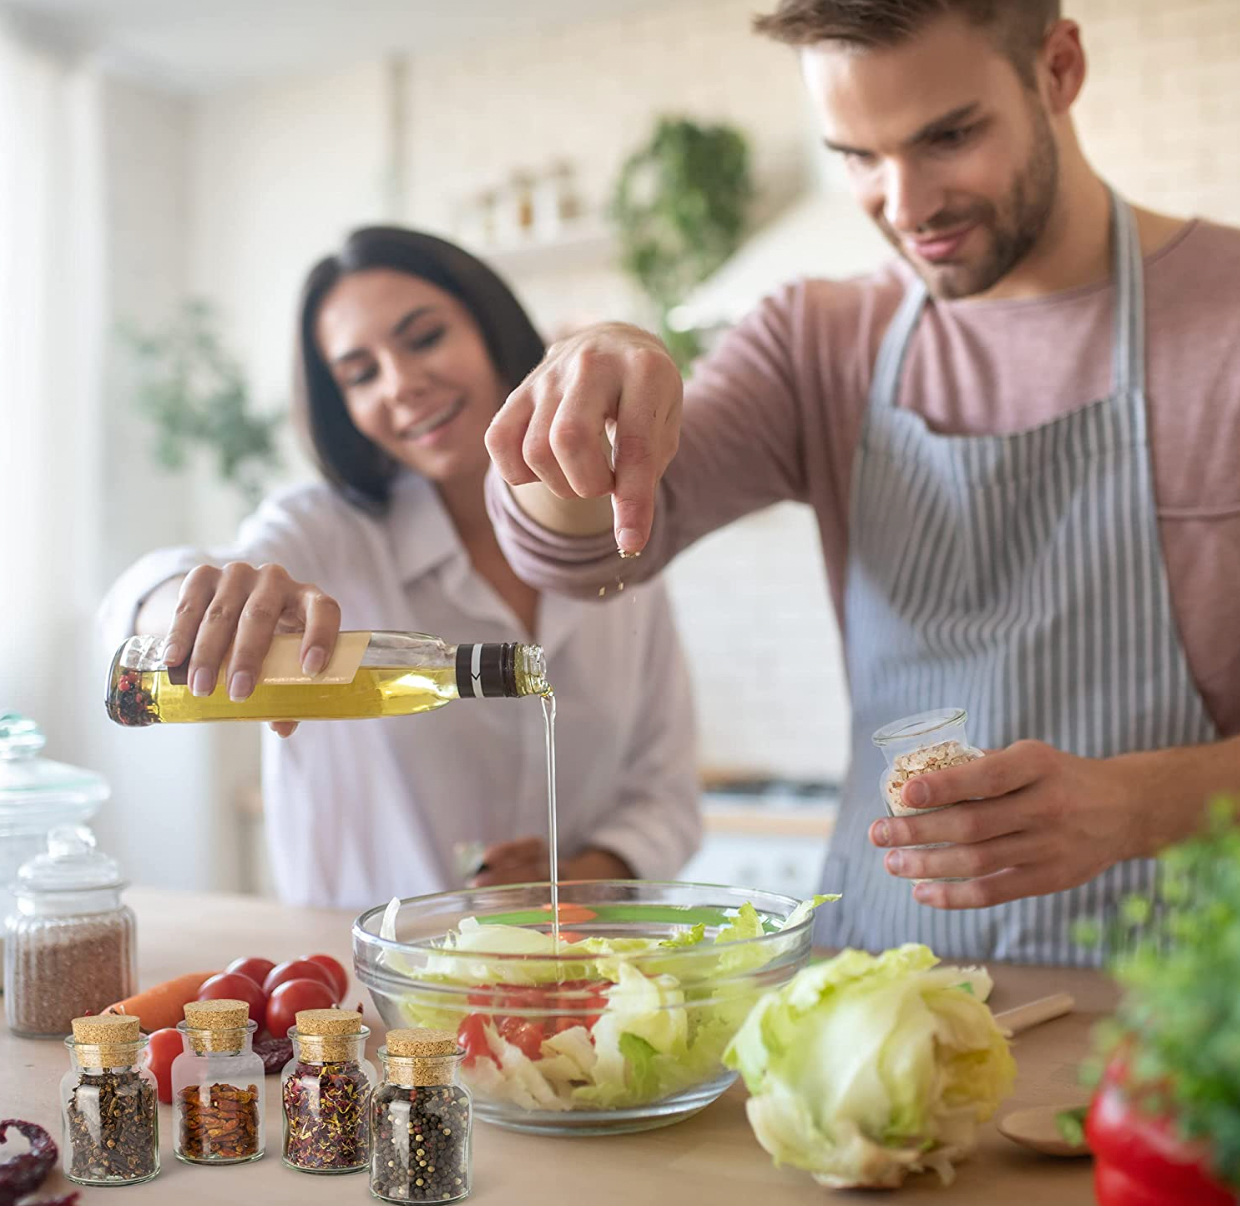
<point>421,1120</point>
<point>108,1104</point>
<point>325,1091</point>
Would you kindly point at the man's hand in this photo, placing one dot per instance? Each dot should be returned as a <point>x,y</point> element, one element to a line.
<point>526,860</point>
<point>607,381</point>
<point>1028,820</point>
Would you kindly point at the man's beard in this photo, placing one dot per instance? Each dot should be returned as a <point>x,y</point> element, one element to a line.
<point>1014,227</point>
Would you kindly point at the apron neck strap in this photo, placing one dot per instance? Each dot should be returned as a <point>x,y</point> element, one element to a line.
<point>1129,347</point>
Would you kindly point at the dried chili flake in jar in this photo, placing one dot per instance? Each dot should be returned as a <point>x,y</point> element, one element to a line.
<point>217,1085</point>
<point>422,1120</point>
<point>326,1093</point>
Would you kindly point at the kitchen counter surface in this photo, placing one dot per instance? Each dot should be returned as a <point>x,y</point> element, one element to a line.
<point>711,1157</point>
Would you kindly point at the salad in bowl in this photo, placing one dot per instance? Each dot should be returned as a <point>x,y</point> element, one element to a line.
<point>618,1025</point>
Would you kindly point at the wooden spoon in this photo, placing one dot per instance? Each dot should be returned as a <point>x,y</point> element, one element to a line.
<point>1044,1009</point>
<point>1036,1128</point>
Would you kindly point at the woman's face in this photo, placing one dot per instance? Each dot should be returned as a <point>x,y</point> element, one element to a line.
<point>413,368</point>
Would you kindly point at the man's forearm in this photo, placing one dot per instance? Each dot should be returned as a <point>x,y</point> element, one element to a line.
<point>1176,785</point>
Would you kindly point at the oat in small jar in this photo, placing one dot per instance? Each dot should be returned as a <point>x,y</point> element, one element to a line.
<point>917,745</point>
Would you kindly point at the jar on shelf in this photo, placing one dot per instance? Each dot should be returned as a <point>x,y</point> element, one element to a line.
<point>109,1105</point>
<point>918,745</point>
<point>421,1120</point>
<point>36,795</point>
<point>325,1091</point>
<point>69,942</point>
<point>217,1086</point>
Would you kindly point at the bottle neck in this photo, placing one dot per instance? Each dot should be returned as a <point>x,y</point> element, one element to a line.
<point>500,670</point>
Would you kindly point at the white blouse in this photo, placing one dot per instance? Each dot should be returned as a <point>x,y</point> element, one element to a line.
<point>361,810</point>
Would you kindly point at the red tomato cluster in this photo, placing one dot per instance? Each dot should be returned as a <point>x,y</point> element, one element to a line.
<point>527,1030</point>
<point>275,993</point>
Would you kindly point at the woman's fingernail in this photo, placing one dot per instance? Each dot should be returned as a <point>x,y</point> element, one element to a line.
<point>240,686</point>
<point>316,659</point>
<point>882,833</point>
<point>628,539</point>
<point>201,683</point>
<point>895,862</point>
<point>916,794</point>
<point>921,894</point>
<point>172,654</point>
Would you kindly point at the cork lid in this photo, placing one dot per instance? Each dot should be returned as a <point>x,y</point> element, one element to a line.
<point>107,1028</point>
<point>324,1022</point>
<point>329,1035</point>
<point>107,1041</point>
<point>415,1044</point>
<point>224,1014</point>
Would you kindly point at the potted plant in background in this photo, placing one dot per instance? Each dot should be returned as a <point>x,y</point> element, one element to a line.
<point>1164,1124</point>
<point>680,205</point>
<point>194,392</point>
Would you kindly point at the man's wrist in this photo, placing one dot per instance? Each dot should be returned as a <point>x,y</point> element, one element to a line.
<point>1172,788</point>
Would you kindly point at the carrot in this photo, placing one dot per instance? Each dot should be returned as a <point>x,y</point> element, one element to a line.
<point>162,1004</point>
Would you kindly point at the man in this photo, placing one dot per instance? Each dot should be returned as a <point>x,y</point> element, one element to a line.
<point>1021,440</point>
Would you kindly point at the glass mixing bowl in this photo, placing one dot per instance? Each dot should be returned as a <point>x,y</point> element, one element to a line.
<point>610,1034</point>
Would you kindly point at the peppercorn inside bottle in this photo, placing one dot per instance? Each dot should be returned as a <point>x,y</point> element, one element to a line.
<point>217,1086</point>
<point>422,1120</point>
<point>108,1104</point>
<point>326,1091</point>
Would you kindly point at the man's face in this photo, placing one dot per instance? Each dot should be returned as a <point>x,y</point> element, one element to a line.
<point>948,150</point>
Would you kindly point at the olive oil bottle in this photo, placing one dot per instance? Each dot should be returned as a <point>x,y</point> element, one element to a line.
<point>370,674</point>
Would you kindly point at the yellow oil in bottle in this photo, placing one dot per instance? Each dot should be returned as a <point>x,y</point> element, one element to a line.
<point>144,697</point>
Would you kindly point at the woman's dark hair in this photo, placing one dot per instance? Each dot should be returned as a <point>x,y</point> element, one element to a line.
<point>362,472</point>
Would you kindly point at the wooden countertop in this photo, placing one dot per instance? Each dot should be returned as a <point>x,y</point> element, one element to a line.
<point>712,1157</point>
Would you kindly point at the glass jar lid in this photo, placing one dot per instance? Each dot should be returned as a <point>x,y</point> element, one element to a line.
<point>37,793</point>
<point>71,863</point>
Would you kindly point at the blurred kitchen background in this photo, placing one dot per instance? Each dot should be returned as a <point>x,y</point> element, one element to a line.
<point>157,153</point>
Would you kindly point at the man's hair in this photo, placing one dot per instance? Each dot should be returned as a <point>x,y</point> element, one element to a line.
<point>1018,26</point>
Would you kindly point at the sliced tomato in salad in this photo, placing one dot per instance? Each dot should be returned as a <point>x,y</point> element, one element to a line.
<point>527,1036</point>
<point>471,1034</point>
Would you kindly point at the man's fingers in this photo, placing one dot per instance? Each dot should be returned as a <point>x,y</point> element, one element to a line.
<point>505,437</point>
<point>983,779</point>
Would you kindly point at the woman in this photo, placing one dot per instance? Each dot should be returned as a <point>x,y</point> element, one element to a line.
<point>407,348</point>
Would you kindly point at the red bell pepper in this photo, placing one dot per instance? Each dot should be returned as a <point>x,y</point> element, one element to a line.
<point>1140,1159</point>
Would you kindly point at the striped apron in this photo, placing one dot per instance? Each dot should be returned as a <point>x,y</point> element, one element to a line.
<point>1019,577</point>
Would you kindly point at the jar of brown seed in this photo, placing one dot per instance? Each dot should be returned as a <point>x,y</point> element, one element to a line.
<point>918,745</point>
<point>421,1120</point>
<point>70,946</point>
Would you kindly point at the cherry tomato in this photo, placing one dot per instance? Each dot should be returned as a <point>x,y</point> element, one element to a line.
<point>257,968</point>
<point>333,967</point>
<point>235,986</point>
<point>292,996</point>
<point>164,1047</point>
<point>297,969</point>
<point>528,1036</point>
<point>472,1036</point>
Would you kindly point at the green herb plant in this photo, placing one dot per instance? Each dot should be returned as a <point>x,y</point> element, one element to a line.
<point>1180,1015</point>
<point>680,205</point>
<point>195,393</point>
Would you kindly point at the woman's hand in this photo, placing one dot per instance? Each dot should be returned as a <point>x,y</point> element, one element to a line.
<point>244,607</point>
<point>526,860</point>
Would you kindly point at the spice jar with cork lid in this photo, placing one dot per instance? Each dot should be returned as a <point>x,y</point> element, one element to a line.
<point>421,1120</point>
<point>919,745</point>
<point>70,947</point>
<point>108,1104</point>
<point>325,1090</point>
<point>217,1086</point>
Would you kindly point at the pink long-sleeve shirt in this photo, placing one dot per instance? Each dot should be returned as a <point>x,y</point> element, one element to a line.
<point>775,413</point>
